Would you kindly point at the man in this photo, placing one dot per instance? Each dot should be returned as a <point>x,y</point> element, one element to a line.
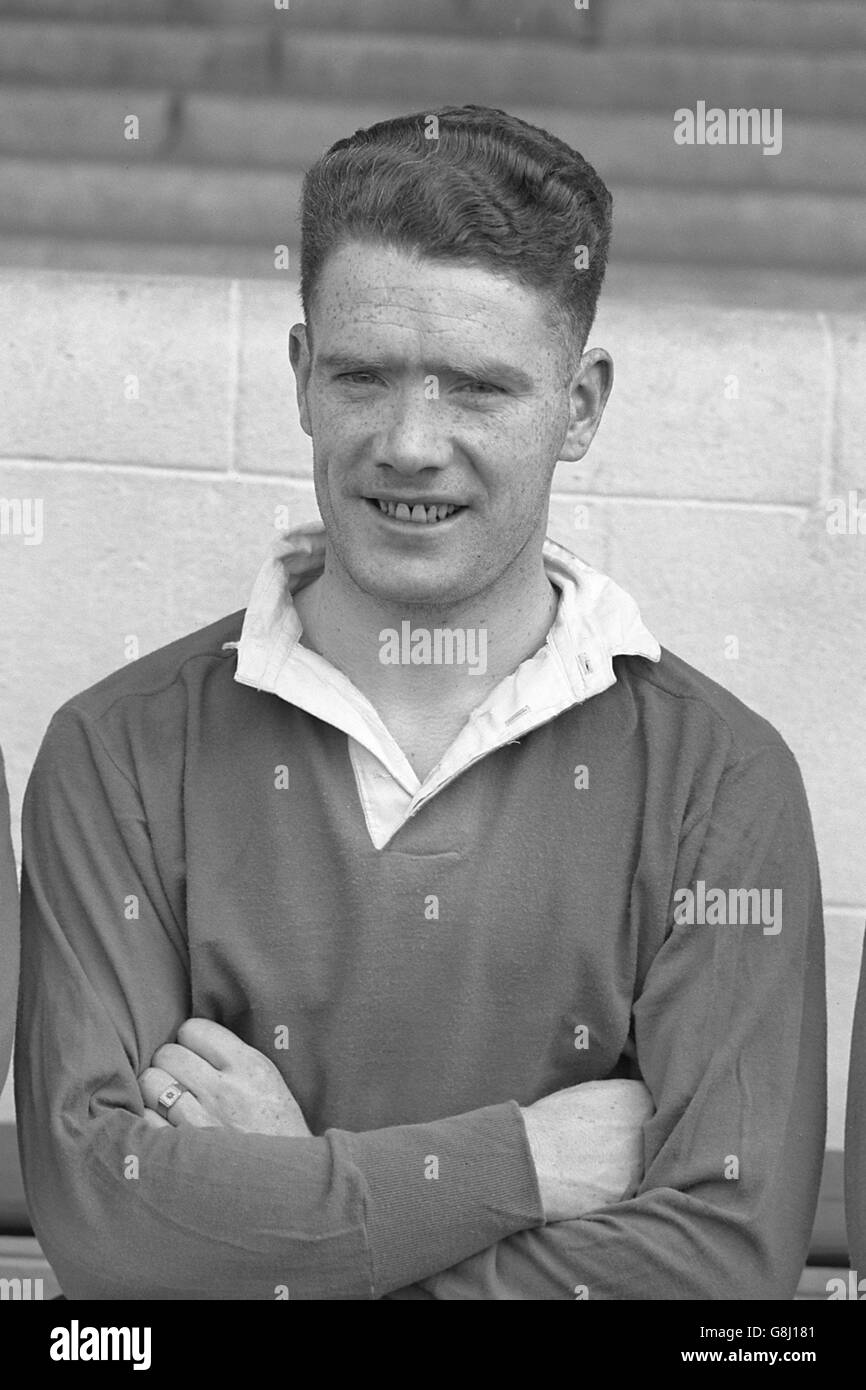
<point>8,932</point>
<point>351,964</point>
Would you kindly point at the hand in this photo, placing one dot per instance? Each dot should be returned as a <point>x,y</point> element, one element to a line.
<point>226,1082</point>
<point>587,1145</point>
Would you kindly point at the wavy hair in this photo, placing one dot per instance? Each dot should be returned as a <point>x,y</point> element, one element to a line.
<point>468,183</point>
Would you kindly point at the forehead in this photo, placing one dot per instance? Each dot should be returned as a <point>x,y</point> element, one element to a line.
<point>377,292</point>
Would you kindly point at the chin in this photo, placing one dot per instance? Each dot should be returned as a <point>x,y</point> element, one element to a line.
<point>389,590</point>
<point>392,586</point>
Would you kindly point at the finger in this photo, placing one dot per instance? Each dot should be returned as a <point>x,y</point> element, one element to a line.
<point>187,1068</point>
<point>213,1042</point>
<point>186,1110</point>
<point>155,1121</point>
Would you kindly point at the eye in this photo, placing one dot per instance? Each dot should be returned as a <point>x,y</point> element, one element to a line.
<point>351,377</point>
<point>482,387</point>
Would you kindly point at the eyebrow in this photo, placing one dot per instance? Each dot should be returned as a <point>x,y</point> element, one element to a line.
<point>505,372</point>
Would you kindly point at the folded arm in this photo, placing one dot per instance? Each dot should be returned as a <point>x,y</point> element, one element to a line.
<point>232,1196</point>
<point>131,1210</point>
<point>730,1032</point>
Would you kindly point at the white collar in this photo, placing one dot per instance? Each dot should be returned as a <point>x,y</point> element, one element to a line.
<point>595,621</point>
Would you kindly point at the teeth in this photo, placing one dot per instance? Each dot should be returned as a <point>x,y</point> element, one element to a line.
<point>418,512</point>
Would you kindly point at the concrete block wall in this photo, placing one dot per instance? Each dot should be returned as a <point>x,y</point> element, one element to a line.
<point>154,421</point>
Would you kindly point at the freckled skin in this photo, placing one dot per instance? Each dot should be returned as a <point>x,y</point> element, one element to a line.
<point>489,441</point>
<point>496,451</point>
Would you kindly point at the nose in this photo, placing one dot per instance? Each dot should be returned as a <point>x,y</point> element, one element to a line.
<point>413,436</point>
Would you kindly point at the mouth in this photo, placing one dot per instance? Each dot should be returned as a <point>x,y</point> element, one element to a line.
<point>416,513</point>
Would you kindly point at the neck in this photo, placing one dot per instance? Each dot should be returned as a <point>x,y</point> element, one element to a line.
<point>500,627</point>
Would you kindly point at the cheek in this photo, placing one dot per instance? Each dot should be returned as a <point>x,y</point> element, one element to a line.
<point>342,433</point>
<point>520,458</point>
<point>335,449</point>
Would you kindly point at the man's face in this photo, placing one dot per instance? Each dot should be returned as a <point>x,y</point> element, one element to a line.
<point>431,384</point>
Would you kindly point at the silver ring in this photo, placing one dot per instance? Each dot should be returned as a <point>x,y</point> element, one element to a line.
<point>170,1096</point>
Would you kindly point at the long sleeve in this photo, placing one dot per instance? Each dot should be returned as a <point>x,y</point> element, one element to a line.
<point>8,932</point>
<point>126,1211</point>
<point>855,1134</point>
<point>730,1034</point>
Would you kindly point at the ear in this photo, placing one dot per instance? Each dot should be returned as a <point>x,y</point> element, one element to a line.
<point>301,360</point>
<point>590,386</point>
